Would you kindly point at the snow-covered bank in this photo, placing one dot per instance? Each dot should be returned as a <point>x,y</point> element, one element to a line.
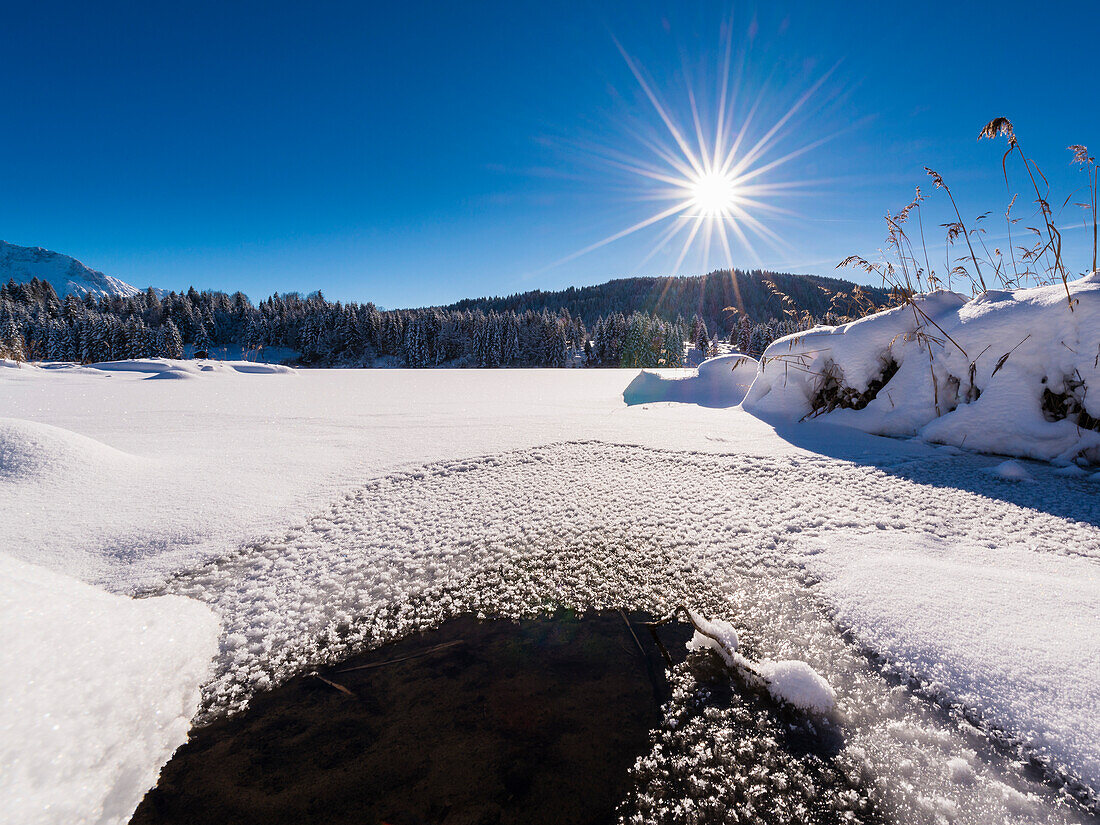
<point>1006,372</point>
<point>717,382</point>
<point>98,692</point>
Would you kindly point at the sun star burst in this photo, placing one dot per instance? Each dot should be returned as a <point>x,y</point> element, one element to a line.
<point>713,176</point>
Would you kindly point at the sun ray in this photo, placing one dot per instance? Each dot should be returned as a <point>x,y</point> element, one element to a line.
<point>660,216</point>
<point>713,192</point>
<point>673,130</point>
<point>687,243</point>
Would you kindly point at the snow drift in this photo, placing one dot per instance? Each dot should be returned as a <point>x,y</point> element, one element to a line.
<point>186,368</point>
<point>1006,372</point>
<point>98,689</point>
<point>29,450</point>
<point>718,382</point>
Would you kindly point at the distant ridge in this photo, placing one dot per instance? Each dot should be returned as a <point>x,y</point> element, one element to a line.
<point>757,294</point>
<point>65,274</point>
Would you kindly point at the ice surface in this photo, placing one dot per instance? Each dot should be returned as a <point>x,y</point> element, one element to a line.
<point>1006,632</point>
<point>98,692</point>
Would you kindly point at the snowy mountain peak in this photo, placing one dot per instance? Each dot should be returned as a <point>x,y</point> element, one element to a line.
<point>66,275</point>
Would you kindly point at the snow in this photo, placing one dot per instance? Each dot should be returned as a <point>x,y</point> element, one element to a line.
<point>65,274</point>
<point>31,451</point>
<point>795,682</point>
<point>98,692</point>
<point>1011,471</point>
<point>791,680</point>
<point>1004,631</point>
<point>318,511</point>
<point>717,382</point>
<point>970,373</point>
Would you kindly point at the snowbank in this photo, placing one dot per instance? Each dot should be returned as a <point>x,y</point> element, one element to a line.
<point>1005,372</point>
<point>175,368</point>
<point>98,692</point>
<point>718,382</point>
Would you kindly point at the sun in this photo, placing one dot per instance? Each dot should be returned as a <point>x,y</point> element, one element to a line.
<point>711,172</point>
<point>713,194</point>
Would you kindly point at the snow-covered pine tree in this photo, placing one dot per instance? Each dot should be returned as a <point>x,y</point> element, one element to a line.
<point>171,345</point>
<point>744,334</point>
<point>672,351</point>
<point>759,340</point>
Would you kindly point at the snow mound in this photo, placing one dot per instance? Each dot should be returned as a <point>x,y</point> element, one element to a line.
<point>717,382</point>
<point>98,689</point>
<point>172,375</point>
<point>174,368</point>
<point>154,365</point>
<point>1008,372</point>
<point>254,368</point>
<point>31,450</point>
<point>1011,471</point>
<point>798,684</point>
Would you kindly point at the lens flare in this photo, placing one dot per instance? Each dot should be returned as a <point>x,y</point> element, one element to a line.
<point>714,171</point>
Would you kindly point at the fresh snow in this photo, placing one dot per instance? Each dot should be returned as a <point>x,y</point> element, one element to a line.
<point>317,511</point>
<point>970,373</point>
<point>795,682</point>
<point>791,680</point>
<point>65,274</point>
<point>1011,471</point>
<point>98,692</point>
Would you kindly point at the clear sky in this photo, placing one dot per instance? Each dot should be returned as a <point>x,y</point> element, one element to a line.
<point>415,153</point>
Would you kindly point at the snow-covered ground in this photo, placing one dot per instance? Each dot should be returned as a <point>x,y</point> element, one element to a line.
<point>318,510</point>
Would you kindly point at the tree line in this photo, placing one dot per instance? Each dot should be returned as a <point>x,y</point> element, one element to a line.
<point>720,298</point>
<point>36,325</point>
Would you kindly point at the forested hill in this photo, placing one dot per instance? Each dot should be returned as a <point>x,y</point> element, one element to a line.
<point>761,296</point>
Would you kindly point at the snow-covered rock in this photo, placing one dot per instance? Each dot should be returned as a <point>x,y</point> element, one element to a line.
<point>1006,372</point>
<point>717,382</point>
<point>98,692</point>
<point>66,275</point>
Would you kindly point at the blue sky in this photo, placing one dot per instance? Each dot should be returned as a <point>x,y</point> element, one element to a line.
<point>418,153</point>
